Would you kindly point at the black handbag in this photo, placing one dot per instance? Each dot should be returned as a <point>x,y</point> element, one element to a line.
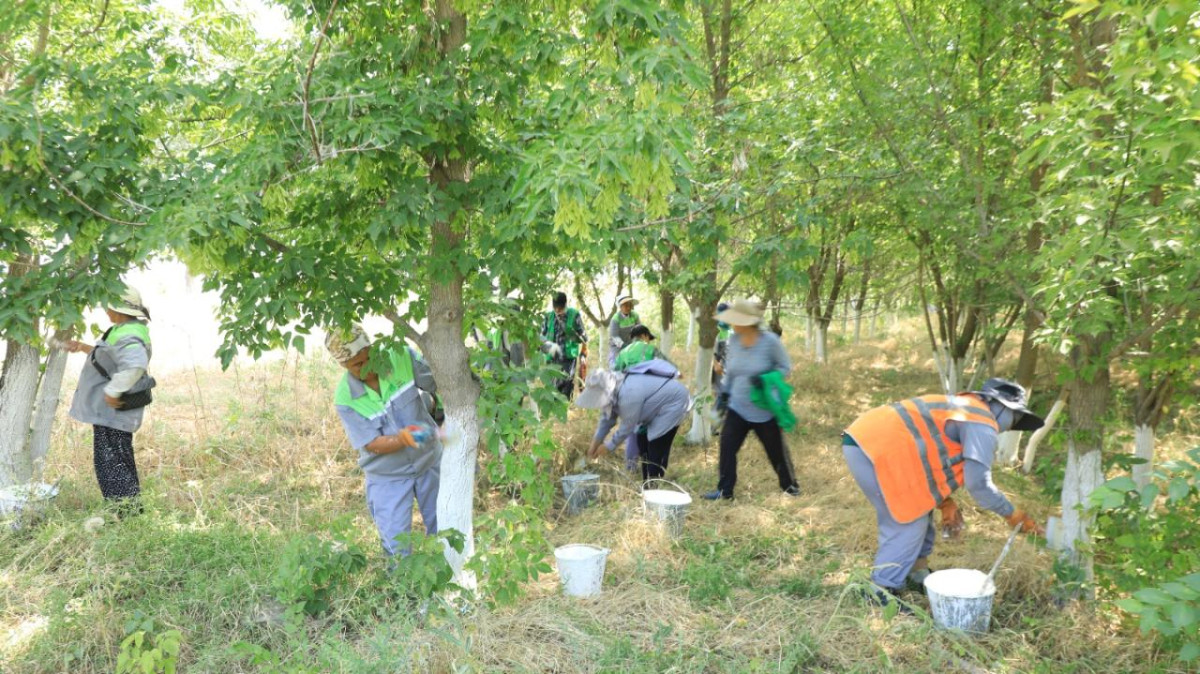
<point>131,399</point>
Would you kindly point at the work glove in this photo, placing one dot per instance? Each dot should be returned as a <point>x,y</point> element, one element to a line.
<point>756,380</point>
<point>552,349</point>
<point>952,520</point>
<point>617,343</point>
<point>722,402</point>
<point>1028,524</point>
<point>406,438</point>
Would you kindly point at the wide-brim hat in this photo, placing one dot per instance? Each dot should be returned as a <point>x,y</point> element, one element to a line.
<point>626,298</point>
<point>1013,396</point>
<point>742,312</point>
<point>345,344</point>
<point>130,304</point>
<point>598,390</point>
<point>639,330</point>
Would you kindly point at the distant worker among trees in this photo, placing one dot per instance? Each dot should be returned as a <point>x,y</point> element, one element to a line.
<point>639,349</point>
<point>755,366</point>
<point>564,340</point>
<point>386,401</point>
<point>620,328</point>
<point>909,456</point>
<point>113,389</point>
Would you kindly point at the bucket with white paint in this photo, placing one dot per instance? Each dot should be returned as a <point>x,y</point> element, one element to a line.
<point>581,568</point>
<point>580,491</point>
<point>959,600</point>
<point>24,503</point>
<point>668,507</point>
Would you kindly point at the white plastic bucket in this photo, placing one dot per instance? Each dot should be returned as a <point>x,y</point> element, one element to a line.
<point>25,503</point>
<point>581,568</point>
<point>959,601</point>
<point>668,507</point>
<point>580,491</point>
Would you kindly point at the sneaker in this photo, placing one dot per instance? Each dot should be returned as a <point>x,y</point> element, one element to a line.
<point>792,491</point>
<point>716,494</point>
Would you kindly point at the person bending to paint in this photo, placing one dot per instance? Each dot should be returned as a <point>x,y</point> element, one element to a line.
<point>650,402</point>
<point>385,403</point>
<point>908,457</point>
<point>753,353</point>
<point>107,397</point>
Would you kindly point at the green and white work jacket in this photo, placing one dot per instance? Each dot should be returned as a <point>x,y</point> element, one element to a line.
<point>125,347</point>
<point>367,414</point>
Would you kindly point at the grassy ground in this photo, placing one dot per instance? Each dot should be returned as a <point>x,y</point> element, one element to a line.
<point>238,465</point>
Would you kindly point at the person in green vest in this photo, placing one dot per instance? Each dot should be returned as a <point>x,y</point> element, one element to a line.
<point>563,339</point>
<point>620,328</point>
<point>115,369</point>
<point>639,350</point>
<point>384,403</point>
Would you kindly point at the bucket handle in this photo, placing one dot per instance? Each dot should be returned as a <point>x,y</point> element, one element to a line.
<point>659,479</point>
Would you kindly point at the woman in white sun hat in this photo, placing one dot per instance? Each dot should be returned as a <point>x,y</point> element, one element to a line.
<point>620,328</point>
<point>751,353</point>
<point>112,392</point>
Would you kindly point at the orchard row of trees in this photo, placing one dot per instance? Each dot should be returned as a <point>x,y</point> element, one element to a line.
<point>1008,167</point>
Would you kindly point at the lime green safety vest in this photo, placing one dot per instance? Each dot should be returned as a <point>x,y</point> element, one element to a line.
<point>397,377</point>
<point>637,352</point>
<point>570,347</point>
<point>138,331</point>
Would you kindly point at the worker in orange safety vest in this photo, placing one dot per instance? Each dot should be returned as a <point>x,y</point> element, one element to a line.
<point>909,456</point>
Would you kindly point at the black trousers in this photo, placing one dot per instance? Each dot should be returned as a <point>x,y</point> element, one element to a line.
<point>733,436</point>
<point>112,455</point>
<point>655,453</point>
<point>566,386</point>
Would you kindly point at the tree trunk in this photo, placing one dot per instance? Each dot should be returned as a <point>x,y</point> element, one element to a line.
<point>691,338</point>
<point>1006,447</point>
<point>18,388</point>
<point>1036,438</point>
<point>822,342</point>
<point>701,430</point>
<point>666,340</point>
<point>1089,405</point>
<point>443,342</point>
<point>810,335</point>
<point>1143,448</point>
<point>49,395</point>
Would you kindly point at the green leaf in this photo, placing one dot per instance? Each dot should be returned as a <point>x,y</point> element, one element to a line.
<point>1178,489</point>
<point>1131,605</point>
<point>1153,596</point>
<point>1189,652</point>
<point>1183,615</point>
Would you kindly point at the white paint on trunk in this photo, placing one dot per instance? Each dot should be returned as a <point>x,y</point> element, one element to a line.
<point>810,335</point>
<point>1083,475</point>
<point>605,347</point>
<point>691,340</point>
<point>456,487</point>
<point>822,355</point>
<point>858,321</point>
<point>666,341</point>
<point>701,431</point>
<point>18,388</point>
<point>1143,448</point>
<point>1006,447</point>
<point>1036,439</point>
<point>49,395</point>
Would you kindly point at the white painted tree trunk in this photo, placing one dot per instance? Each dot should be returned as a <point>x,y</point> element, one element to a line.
<point>1036,439</point>
<point>691,340</point>
<point>1143,448</point>
<point>822,355</point>
<point>858,321</point>
<point>605,347</point>
<point>49,395</point>
<point>1007,446</point>
<point>701,431</point>
<point>666,341</point>
<point>810,335</point>
<point>18,388</point>
<point>456,489</point>
<point>845,322</point>
<point>1083,475</point>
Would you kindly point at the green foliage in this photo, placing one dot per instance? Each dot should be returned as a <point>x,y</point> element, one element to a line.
<point>311,569</point>
<point>145,650</point>
<point>424,571</point>
<point>1149,550</point>
<point>512,551</point>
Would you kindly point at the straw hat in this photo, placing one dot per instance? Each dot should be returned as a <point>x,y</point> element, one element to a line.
<point>626,298</point>
<point>345,345</point>
<point>742,312</point>
<point>130,304</point>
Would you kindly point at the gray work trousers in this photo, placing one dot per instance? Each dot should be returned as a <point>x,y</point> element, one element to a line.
<point>900,545</point>
<point>390,500</point>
